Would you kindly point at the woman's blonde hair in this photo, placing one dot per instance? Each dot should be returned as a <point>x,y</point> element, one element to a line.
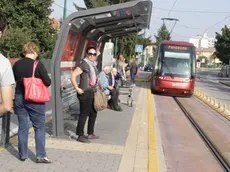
<point>30,48</point>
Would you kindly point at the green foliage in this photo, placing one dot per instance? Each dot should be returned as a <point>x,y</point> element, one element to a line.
<point>203,57</point>
<point>32,15</point>
<point>127,44</point>
<point>162,34</point>
<point>92,4</point>
<point>100,3</point>
<point>78,8</point>
<point>12,43</point>
<point>222,45</point>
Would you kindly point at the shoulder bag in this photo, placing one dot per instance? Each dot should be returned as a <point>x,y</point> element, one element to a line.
<point>100,99</point>
<point>35,90</point>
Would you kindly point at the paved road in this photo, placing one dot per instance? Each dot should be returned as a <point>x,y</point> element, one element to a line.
<point>183,149</point>
<point>208,82</point>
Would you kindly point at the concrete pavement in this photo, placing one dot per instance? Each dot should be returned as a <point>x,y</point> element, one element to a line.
<point>66,102</point>
<point>122,147</point>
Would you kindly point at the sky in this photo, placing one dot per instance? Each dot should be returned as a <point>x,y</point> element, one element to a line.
<point>196,17</point>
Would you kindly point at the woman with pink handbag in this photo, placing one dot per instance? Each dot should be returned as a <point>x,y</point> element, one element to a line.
<point>31,94</point>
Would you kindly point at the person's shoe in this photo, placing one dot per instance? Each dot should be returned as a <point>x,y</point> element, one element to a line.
<point>44,160</point>
<point>22,159</point>
<point>109,106</point>
<point>92,136</point>
<point>118,108</point>
<point>83,139</point>
<point>74,137</point>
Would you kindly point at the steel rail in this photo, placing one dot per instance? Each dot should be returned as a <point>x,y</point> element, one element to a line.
<point>221,159</point>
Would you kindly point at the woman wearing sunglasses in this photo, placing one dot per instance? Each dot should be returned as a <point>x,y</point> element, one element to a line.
<point>87,70</point>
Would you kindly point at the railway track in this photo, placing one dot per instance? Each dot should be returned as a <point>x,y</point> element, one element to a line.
<point>218,155</point>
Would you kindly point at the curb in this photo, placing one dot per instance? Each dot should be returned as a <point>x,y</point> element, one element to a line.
<point>146,79</point>
<point>153,162</point>
<point>211,102</point>
<point>224,83</point>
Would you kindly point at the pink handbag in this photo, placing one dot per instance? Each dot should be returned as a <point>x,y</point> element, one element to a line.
<point>138,73</point>
<point>35,90</point>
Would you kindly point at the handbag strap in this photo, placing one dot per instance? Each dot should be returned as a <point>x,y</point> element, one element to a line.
<point>34,68</point>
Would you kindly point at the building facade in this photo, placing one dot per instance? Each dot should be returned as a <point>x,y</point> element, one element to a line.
<point>203,41</point>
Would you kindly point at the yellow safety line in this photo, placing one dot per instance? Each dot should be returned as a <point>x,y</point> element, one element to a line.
<point>152,152</point>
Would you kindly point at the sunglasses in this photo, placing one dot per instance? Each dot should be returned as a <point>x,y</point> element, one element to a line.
<point>92,54</point>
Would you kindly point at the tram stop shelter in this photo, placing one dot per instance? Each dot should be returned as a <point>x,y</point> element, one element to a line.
<point>96,25</point>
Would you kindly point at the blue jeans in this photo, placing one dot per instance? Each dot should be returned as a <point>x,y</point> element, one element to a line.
<point>35,112</point>
<point>133,76</point>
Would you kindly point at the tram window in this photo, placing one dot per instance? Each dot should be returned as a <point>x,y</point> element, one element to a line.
<point>176,63</point>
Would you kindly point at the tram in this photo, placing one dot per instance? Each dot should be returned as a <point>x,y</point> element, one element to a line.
<point>174,69</point>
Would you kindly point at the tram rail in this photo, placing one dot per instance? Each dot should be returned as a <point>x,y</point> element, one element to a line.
<point>217,154</point>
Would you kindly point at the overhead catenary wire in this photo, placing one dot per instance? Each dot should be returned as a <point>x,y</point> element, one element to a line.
<point>193,11</point>
<point>172,7</point>
<point>62,7</point>
<point>220,21</point>
<point>178,25</point>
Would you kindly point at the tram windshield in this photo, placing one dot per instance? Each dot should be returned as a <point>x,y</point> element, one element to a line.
<point>176,61</point>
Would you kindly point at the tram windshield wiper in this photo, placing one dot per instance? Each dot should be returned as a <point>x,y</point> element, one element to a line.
<point>170,73</point>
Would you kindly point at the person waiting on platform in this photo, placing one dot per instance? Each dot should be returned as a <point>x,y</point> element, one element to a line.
<point>113,102</point>
<point>29,110</point>
<point>6,75</point>
<point>104,81</point>
<point>88,73</point>
<point>133,70</point>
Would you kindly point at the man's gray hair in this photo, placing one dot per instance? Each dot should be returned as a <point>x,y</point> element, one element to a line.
<point>107,67</point>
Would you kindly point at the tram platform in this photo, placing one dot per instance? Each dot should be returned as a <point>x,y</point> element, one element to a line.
<point>154,135</point>
<point>123,143</point>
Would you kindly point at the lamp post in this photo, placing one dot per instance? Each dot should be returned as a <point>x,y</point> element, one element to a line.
<point>64,10</point>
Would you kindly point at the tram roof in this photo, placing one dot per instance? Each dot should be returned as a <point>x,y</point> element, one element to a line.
<point>183,43</point>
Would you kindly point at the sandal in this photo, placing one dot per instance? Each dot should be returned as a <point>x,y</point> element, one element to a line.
<point>44,160</point>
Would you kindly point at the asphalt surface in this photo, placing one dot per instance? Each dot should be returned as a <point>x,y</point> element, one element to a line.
<point>208,82</point>
<point>183,149</point>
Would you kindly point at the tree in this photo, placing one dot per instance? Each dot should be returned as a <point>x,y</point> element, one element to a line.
<point>222,45</point>
<point>203,58</point>
<point>162,34</point>
<point>127,43</point>
<point>92,4</point>
<point>12,43</point>
<point>214,57</point>
<point>32,16</point>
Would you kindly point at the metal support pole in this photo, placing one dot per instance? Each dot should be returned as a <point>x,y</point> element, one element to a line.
<point>3,132</point>
<point>8,118</point>
<point>115,48</point>
<point>64,10</point>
